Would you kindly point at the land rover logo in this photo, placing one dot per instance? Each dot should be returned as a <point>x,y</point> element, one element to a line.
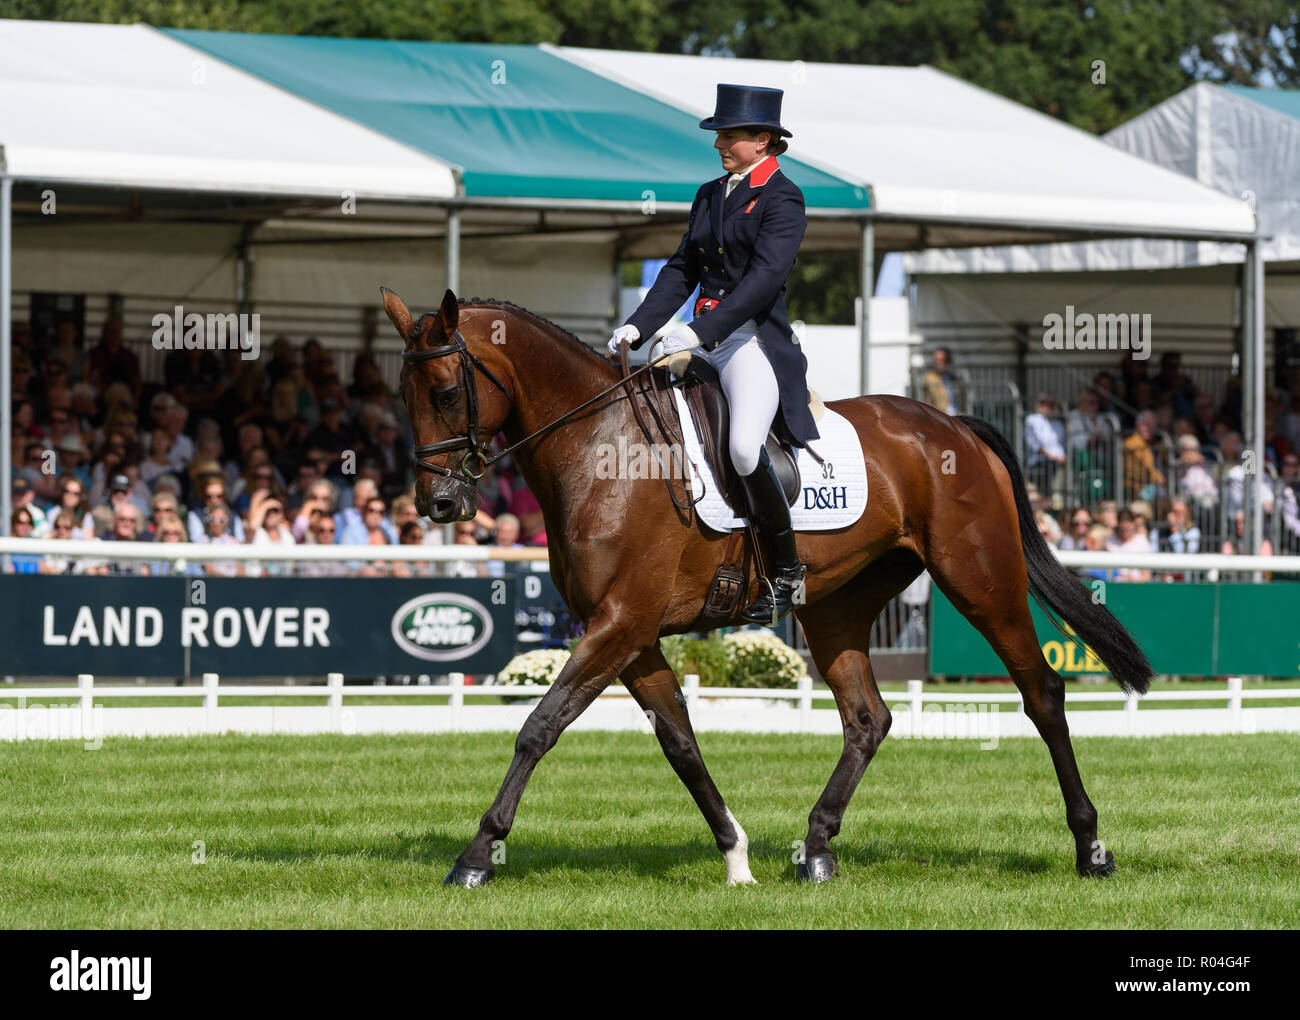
<point>441,627</point>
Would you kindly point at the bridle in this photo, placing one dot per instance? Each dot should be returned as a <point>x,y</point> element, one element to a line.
<point>475,449</point>
<point>473,446</point>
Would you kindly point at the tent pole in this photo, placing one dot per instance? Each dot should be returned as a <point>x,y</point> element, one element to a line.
<point>6,344</point>
<point>1257,389</point>
<point>868,262</point>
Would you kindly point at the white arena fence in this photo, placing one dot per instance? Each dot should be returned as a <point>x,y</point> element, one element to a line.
<point>44,711</point>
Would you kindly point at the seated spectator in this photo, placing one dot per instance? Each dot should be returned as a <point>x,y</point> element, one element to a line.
<point>1179,534</point>
<point>333,434</point>
<point>411,533</point>
<point>532,526</point>
<point>71,457</point>
<point>374,528</point>
<point>1195,483</point>
<point>322,498</point>
<point>111,361</point>
<point>23,499</point>
<point>173,531</point>
<point>1098,539</point>
<point>165,510</point>
<point>20,526</point>
<point>217,520</point>
<point>158,462</point>
<point>354,527</point>
<point>196,378</point>
<point>170,414</point>
<point>1080,522</point>
<point>126,527</point>
<point>1142,476</point>
<point>1234,490</point>
<point>73,500</point>
<point>1045,443</point>
<point>322,532</point>
<point>1048,528</point>
<point>404,512</point>
<point>267,523</point>
<point>465,535</point>
<point>212,491</point>
<point>1130,540</point>
<point>64,529</point>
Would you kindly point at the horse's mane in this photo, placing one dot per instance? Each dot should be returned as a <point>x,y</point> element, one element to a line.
<point>570,338</point>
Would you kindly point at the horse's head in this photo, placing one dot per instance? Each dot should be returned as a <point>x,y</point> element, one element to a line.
<point>453,418</point>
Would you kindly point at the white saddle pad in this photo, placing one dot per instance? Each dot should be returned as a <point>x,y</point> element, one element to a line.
<point>830,497</point>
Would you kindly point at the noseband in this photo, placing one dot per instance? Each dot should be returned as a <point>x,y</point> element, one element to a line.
<point>474,448</point>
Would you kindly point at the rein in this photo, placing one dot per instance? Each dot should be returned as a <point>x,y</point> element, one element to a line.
<point>475,449</point>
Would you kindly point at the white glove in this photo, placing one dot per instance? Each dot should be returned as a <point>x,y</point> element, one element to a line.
<point>629,333</point>
<point>674,349</point>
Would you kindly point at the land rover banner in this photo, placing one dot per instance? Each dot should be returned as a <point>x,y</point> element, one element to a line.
<point>253,627</point>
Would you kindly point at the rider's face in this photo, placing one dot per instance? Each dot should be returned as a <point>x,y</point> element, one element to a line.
<point>738,148</point>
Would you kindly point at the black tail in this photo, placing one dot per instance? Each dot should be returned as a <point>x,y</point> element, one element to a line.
<point>1059,592</point>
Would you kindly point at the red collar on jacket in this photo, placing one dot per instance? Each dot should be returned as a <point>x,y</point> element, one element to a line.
<point>760,175</point>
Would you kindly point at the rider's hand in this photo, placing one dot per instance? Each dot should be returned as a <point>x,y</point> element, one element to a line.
<point>629,333</point>
<point>674,349</point>
<point>682,338</point>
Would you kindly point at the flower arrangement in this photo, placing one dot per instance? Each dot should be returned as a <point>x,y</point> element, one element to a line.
<point>537,668</point>
<point>740,659</point>
<point>761,659</point>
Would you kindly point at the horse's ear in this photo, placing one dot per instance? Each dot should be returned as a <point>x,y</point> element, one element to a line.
<point>397,314</point>
<point>450,313</point>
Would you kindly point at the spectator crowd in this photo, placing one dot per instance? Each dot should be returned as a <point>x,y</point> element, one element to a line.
<point>1145,461</point>
<point>274,452</point>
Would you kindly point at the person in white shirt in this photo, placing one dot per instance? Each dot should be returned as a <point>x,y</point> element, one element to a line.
<point>1044,443</point>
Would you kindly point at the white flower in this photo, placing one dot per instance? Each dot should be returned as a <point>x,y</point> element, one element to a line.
<point>537,668</point>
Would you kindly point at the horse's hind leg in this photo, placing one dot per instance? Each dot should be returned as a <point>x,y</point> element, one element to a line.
<point>838,631</point>
<point>995,601</point>
<point>652,683</point>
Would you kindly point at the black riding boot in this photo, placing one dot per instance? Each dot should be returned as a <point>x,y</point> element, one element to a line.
<point>770,515</point>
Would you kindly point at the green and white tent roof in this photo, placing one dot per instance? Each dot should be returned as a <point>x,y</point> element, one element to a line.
<point>1244,143</point>
<point>939,161</point>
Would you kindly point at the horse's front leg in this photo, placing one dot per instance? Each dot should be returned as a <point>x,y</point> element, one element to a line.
<point>600,656</point>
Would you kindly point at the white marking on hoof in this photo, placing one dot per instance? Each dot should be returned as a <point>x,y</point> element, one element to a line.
<point>737,857</point>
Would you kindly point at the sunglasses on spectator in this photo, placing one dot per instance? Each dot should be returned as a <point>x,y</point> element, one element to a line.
<point>375,509</point>
<point>24,520</point>
<point>63,527</point>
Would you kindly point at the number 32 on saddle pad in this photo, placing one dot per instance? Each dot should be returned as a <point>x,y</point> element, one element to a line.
<point>831,495</point>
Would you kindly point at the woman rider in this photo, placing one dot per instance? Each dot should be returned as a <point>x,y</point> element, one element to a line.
<point>740,244</point>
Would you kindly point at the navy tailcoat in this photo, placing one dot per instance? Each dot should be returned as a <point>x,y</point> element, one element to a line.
<point>740,252</point>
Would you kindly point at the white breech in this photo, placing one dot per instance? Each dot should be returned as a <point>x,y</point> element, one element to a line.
<point>753,396</point>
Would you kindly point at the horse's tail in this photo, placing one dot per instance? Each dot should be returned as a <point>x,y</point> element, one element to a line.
<point>1059,592</point>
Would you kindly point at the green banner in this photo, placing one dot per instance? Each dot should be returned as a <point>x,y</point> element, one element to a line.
<point>1185,629</point>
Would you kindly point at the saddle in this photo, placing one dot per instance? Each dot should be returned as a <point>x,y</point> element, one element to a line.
<point>708,406</point>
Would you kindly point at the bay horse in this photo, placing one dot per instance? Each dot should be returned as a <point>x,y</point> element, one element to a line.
<point>945,495</point>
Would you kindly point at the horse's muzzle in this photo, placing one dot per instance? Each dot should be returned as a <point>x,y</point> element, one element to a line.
<point>446,500</point>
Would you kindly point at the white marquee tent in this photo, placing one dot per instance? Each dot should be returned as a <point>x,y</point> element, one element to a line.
<point>235,165</point>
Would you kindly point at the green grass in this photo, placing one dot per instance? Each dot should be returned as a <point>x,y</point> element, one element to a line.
<point>333,831</point>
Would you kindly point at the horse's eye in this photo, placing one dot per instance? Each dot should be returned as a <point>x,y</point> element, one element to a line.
<point>446,398</point>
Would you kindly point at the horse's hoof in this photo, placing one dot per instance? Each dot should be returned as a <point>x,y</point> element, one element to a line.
<point>1092,869</point>
<point>819,868</point>
<point>468,876</point>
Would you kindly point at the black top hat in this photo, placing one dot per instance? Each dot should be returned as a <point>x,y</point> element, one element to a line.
<point>751,106</point>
